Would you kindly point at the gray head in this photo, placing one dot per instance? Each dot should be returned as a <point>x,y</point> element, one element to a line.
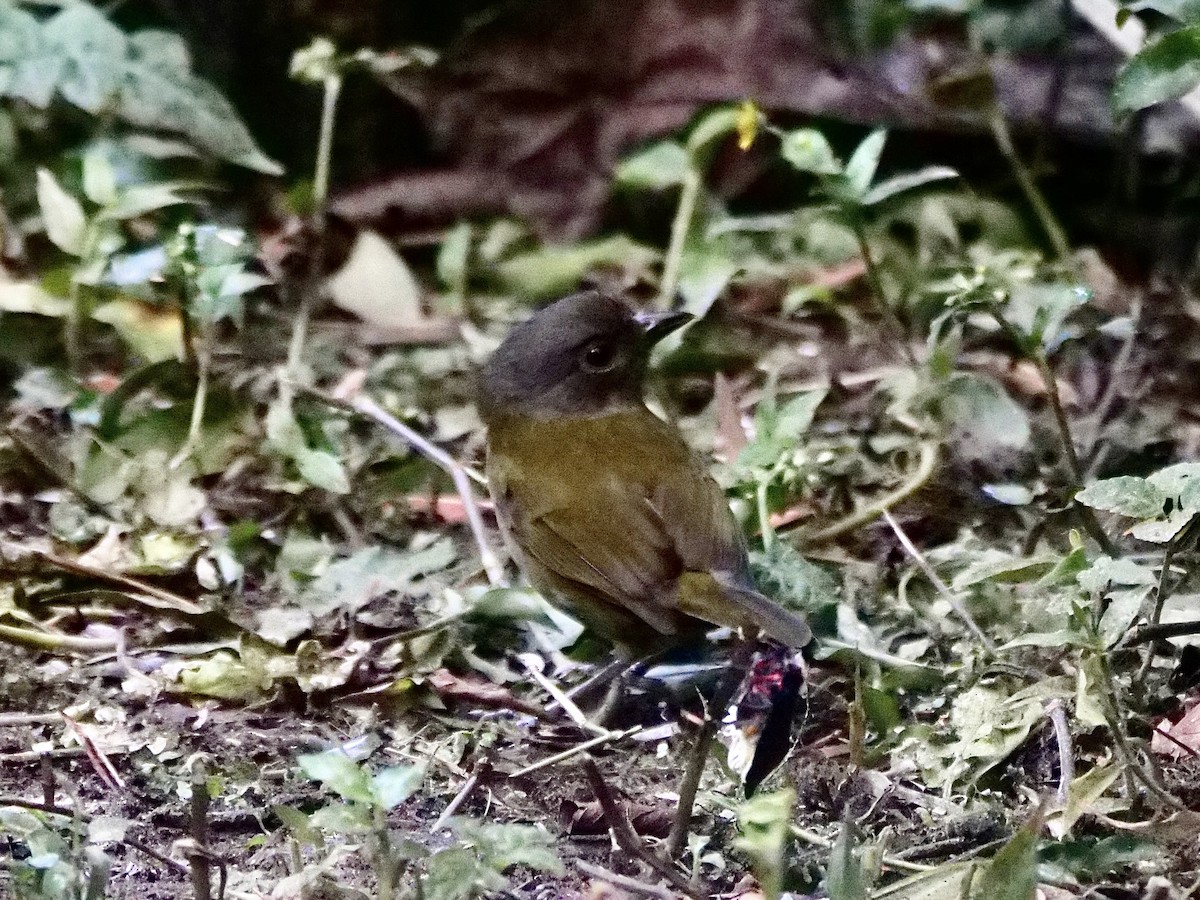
<point>580,356</point>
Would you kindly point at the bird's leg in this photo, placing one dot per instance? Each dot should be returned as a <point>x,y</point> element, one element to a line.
<point>739,664</point>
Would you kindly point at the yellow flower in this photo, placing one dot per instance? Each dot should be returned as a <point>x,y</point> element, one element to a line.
<point>747,124</point>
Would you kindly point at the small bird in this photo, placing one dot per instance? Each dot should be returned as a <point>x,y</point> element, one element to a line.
<point>606,509</point>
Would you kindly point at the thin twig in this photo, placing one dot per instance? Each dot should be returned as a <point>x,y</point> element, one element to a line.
<point>627,837</point>
<point>567,705</point>
<point>891,862</point>
<point>481,771</point>
<point>735,673</point>
<point>1066,756</point>
<point>198,816</point>
<point>942,588</point>
<point>570,752</point>
<point>624,882</point>
<point>1162,631</point>
<point>459,474</point>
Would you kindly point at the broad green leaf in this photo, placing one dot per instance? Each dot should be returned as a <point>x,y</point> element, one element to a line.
<point>139,199</point>
<point>808,150</point>
<point>1127,495</point>
<point>458,874</point>
<point>339,773</point>
<point>551,271</point>
<point>863,163</point>
<point>1165,70</point>
<point>1082,794</point>
<point>322,469</point>
<point>1039,311</point>
<point>62,214</point>
<point>94,50</point>
<point>342,818</point>
<point>659,166</point>
<point>1160,531</point>
<point>504,845</point>
<point>984,418</point>
<point>394,785</point>
<point>1180,482</point>
<point>704,273</point>
<point>99,179</point>
<point>353,582</point>
<point>1012,873</point>
<point>160,91</point>
<point>1186,11</point>
<point>764,826</point>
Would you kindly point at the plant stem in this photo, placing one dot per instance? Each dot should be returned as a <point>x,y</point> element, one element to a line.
<point>684,213</point>
<point>1066,439</point>
<point>899,334</point>
<point>203,358</point>
<point>1033,194</point>
<point>320,198</point>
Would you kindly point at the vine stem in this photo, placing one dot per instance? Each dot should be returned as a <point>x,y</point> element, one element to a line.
<point>689,195</point>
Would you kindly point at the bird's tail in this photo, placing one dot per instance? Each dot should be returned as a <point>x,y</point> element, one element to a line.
<point>783,625</point>
<point>724,600</point>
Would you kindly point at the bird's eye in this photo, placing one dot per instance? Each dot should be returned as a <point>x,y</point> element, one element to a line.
<point>599,356</point>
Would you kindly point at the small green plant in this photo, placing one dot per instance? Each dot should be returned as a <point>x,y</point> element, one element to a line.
<point>59,860</point>
<point>403,863</point>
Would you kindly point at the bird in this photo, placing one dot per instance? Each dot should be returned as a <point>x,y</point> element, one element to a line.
<point>604,506</point>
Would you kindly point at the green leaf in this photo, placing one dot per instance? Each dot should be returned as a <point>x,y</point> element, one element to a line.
<point>457,874</point>
<point>1186,11</point>
<point>901,184</point>
<point>551,271</point>
<point>764,825</point>
<point>504,845</point>
<point>863,163</point>
<point>1126,495</point>
<point>62,214</point>
<point>808,150</point>
<point>353,582</point>
<point>340,774</point>
<point>1165,70</point>
<point>99,179</point>
<point>139,199</point>
<point>394,785</point>
<point>846,879</point>
<point>160,91</point>
<point>655,168</point>
<point>704,273</point>
<point>94,50</point>
<point>322,469</point>
<point>453,258</point>
<point>984,418</point>
<point>1012,873</point>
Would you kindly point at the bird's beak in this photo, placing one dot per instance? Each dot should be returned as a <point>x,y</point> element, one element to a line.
<point>657,325</point>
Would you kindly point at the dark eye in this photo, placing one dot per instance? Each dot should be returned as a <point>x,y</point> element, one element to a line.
<point>599,356</point>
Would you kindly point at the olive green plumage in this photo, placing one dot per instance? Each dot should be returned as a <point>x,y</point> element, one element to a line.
<point>606,509</point>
